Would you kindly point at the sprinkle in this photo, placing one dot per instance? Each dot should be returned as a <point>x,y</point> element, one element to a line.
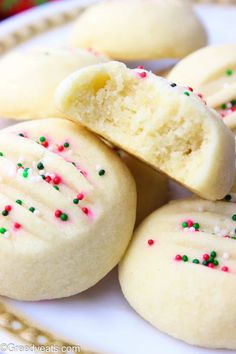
<point>22,135</point>
<point>190,88</point>
<point>196,226</point>
<point>186,93</point>
<point>205,263</point>
<point>8,208</point>
<point>66,145</point>
<point>224,269</point>
<point>173,84</point>
<point>56,187</point>
<point>64,217</point>
<point>143,74</point>
<point>190,223</point>
<point>234,217</point>
<point>213,254</point>
<point>229,72</point>
<point>80,196</point>
<point>58,213</point>
<point>215,262</point>
<point>76,201</point>
<point>17,225</point>
<point>2,230</point>
<point>196,261</point>
<point>4,213</point>
<point>211,265</point>
<point>60,148</point>
<point>42,139</point>
<point>206,257</point>
<point>178,257</point>
<point>150,242</point>
<point>184,224</point>
<point>228,197</point>
<point>32,209</point>
<point>25,172</point>
<point>56,180</point>
<point>185,258</point>
<point>1,153</point>
<point>48,179</point>
<point>18,201</point>
<point>45,144</point>
<point>85,210</point>
<point>40,166</point>
<point>19,164</point>
<point>101,172</point>
<point>140,67</point>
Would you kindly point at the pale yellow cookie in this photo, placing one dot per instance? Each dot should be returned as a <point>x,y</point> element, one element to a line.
<point>140,29</point>
<point>152,187</point>
<point>29,79</point>
<point>167,127</point>
<point>68,206</point>
<point>179,272</point>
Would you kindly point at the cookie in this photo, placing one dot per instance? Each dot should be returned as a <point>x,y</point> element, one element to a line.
<point>215,78</point>
<point>179,272</point>
<point>152,187</point>
<point>29,79</point>
<point>162,124</point>
<point>68,206</point>
<point>140,29</point>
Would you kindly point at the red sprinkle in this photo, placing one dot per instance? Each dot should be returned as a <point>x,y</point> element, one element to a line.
<point>178,257</point>
<point>57,180</point>
<point>45,144</point>
<point>206,257</point>
<point>211,265</point>
<point>143,74</point>
<point>17,225</point>
<point>8,208</point>
<point>80,196</point>
<point>140,67</point>
<point>190,89</point>
<point>150,242</point>
<point>190,223</point>
<point>60,148</point>
<point>225,269</point>
<point>85,211</point>
<point>48,179</point>
<point>58,213</point>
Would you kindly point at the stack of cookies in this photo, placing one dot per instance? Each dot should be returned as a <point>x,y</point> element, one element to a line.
<point>81,176</point>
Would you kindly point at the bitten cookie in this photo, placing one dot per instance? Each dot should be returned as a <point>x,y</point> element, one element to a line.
<point>152,187</point>
<point>215,77</point>
<point>68,206</point>
<point>162,124</point>
<point>179,272</point>
<point>140,29</point>
<point>29,79</point>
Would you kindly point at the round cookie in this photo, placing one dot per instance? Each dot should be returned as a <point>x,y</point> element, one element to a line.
<point>152,187</point>
<point>29,79</point>
<point>68,206</point>
<point>164,125</point>
<point>140,29</point>
<point>179,272</point>
<point>215,77</point>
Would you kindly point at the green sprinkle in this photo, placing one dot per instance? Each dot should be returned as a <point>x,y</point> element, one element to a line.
<point>223,106</point>
<point>185,258</point>
<point>75,201</point>
<point>186,93</point>
<point>233,102</point>
<point>56,187</point>
<point>66,145</point>
<point>25,174</point>
<point>216,263</point>
<point>64,217</point>
<point>1,153</point>
<point>19,164</point>
<point>213,254</point>
<point>73,163</point>
<point>184,224</point>
<point>2,230</point>
<point>18,201</point>
<point>43,176</point>
<point>21,135</point>
<point>42,139</point>
<point>4,212</point>
<point>40,166</point>
<point>196,226</point>
<point>229,72</point>
<point>205,263</point>
<point>233,238</point>
<point>101,172</point>
<point>228,197</point>
<point>234,217</point>
<point>211,260</point>
<point>196,261</point>
<point>32,209</point>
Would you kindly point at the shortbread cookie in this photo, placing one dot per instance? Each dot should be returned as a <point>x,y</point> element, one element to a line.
<point>152,187</point>
<point>179,272</point>
<point>140,29</point>
<point>68,206</point>
<point>29,79</point>
<point>215,77</point>
<point>162,124</point>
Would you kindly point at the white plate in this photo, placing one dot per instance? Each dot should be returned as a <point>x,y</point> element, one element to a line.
<point>100,318</point>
